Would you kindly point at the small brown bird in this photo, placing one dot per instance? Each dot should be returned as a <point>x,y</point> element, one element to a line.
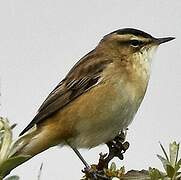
<point>98,98</point>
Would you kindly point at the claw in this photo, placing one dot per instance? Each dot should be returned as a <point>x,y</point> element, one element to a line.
<point>92,174</point>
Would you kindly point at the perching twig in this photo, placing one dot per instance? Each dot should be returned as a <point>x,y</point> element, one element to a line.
<point>117,148</point>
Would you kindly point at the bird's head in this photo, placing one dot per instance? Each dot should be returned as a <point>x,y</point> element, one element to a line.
<point>131,43</point>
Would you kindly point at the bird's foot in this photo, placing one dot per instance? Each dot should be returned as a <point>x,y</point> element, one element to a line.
<point>92,173</point>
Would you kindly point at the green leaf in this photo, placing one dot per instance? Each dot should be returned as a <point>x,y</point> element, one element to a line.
<point>179,162</point>
<point>178,175</point>
<point>178,165</point>
<point>155,174</point>
<point>164,161</point>
<point>6,140</point>
<point>113,166</point>
<point>173,150</point>
<point>11,163</point>
<point>13,178</point>
<point>170,171</point>
<point>166,156</point>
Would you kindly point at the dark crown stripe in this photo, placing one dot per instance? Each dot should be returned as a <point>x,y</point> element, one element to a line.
<point>135,32</point>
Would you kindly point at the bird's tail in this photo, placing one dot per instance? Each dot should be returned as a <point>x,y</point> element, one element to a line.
<point>33,143</point>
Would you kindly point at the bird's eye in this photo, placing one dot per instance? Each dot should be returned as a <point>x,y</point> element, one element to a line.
<point>135,43</point>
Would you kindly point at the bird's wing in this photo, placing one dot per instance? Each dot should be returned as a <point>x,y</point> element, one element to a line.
<point>82,77</point>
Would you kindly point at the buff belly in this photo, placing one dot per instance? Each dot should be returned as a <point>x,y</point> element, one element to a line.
<point>101,119</point>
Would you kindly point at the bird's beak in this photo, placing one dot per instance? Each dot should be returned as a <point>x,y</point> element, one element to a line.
<point>163,40</point>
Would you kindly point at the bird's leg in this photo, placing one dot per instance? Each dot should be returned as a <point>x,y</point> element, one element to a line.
<point>88,170</point>
<point>117,148</point>
<point>81,158</point>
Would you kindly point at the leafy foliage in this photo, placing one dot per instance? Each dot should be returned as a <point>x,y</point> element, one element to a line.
<point>7,163</point>
<point>171,164</point>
